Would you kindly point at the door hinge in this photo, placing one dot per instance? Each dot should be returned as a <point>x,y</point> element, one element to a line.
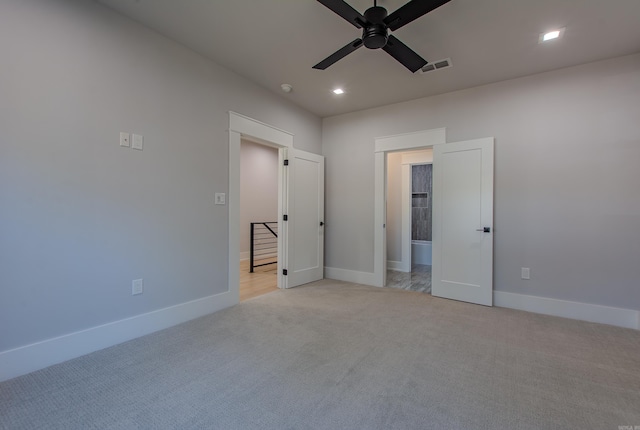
<point>286,162</point>
<point>285,217</point>
<point>284,272</point>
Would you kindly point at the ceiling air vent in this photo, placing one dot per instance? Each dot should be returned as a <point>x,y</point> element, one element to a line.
<point>437,65</point>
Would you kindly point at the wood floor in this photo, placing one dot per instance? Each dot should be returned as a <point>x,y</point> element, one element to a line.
<point>262,281</point>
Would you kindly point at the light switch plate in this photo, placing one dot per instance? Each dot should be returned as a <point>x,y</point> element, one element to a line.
<point>525,273</point>
<point>124,139</point>
<point>220,198</point>
<point>136,287</point>
<point>136,142</point>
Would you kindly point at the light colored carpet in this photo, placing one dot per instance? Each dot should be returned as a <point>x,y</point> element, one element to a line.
<point>334,355</point>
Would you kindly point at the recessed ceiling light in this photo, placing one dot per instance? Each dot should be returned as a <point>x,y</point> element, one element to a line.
<point>338,91</point>
<point>551,35</point>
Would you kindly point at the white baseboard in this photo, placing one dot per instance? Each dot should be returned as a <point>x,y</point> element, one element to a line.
<point>397,265</point>
<point>621,317</point>
<point>29,358</point>
<point>366,278</point>
<point>244,255</point>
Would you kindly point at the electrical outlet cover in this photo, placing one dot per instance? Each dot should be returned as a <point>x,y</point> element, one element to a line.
<point>136,287</point>
<point>125,139</point>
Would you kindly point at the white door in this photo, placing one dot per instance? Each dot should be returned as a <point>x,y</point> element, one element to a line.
<point>304,208</point>
<point>463,221</point>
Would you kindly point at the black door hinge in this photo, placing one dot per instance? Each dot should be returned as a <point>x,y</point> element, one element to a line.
<point>284,272</point>
<point>286,162</point>
<point>285,217</point>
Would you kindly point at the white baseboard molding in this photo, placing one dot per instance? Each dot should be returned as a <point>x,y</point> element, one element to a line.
<point>366,278</point>
<point>29,358</point>
<point>244,255</point>
<point>621,317</point>
<point>397,266</point>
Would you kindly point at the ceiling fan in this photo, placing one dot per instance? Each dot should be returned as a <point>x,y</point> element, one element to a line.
<point>375,26</point>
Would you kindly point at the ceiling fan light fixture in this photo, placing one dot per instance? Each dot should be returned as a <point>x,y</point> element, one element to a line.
<point>338,91</point>
<point>376,24</point>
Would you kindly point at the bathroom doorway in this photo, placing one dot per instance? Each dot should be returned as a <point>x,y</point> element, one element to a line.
<point>409,219</point>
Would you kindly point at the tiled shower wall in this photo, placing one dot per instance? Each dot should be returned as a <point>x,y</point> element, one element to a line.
<point>421,201</point>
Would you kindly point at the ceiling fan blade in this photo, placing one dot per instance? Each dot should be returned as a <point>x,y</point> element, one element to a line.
<point>339,54</point>
<point>345,11</point>
<point>410,11</point>
<point>404,54</point>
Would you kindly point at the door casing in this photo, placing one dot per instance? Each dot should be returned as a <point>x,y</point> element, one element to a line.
<point>383,145</point>
<point>242,126</point>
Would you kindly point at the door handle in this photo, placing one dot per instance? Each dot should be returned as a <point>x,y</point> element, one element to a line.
<point>484,229</point>
<point>321,223</point>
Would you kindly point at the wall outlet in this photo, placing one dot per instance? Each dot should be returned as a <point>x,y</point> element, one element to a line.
<point>220,198</point>
<point>136,287</point>
<point>125,139</point>
<point>525,273</point>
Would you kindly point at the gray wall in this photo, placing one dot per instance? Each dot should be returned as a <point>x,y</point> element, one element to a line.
<point>566,177</point>
<point>258,188</point>
<point>80,217</point>
<point>394,206</point>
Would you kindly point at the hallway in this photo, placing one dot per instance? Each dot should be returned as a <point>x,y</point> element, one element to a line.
<point>262,281</point>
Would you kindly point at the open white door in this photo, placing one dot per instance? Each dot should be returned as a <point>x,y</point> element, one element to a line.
<point>463,221</point>
<point>304,227</point>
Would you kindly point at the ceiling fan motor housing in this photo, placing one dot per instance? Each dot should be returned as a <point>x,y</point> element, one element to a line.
<point>374,34</point>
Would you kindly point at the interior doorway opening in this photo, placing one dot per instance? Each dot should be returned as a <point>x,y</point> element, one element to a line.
<point>242,127</point>
<point>258,218</point>
<point>409,205</point>
<point>300,219</point>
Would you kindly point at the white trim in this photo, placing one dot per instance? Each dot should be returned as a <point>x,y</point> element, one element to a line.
<point>620,317</point>
<point>283,204</point>
<point>233,274</point>
<point>400,142</point>
<point>365,278</point>
<point>424,156</point>
<point>418,139</point>
<point>245,255</point>
<point>398,266</point>
<point>29,358</point>
<point>380,221</point>
<point>241,126</point>
<point>405,216</point>
<point>259,131</point>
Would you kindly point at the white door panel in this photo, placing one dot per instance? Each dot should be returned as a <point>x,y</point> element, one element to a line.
<point>304,228</point>
<point>463,206</point>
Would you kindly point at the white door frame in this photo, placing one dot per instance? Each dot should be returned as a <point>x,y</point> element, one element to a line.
<point>400,142</point>
<point>240,125</point>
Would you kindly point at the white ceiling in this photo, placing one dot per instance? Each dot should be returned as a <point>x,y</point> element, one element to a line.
<point>278,41</point>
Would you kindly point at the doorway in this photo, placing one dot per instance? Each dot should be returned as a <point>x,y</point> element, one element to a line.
<point>383,146</point>
<point>409,219</point>
<point>300,218</point>
<point>462,263</point>
<point>258,218</point>
<point>241,127</point>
